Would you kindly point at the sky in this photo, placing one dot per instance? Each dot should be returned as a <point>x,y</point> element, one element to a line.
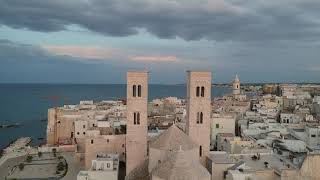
<point>98,41</point>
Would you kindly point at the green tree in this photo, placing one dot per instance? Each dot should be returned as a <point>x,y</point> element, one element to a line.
<point>29,159</point>
<point>60,166</point>
<point>21,166</point>
<point>54,150</point>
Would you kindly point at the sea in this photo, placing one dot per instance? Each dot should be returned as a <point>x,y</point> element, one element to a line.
<point>27,104</point>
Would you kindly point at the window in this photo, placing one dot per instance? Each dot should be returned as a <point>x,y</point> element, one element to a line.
<point>217,126</point>
<point>202,91</point>
<point>84,133</point>
<point>107,140</point>
<point>78,133</point>
<point>91,141</point>
<point>313,135</point>
<point>200,151</point>
<point>134,90</point>
<point>136,118</point>
<point>108,165</point>
<point>198,91</point>
<point>201,118</point>
<point>198,117</point>
<point>139,91</point>
<point>84,126</point>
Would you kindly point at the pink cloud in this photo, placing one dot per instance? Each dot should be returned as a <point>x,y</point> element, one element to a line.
<point>102,53</point>
<point>154,58</point>
<point>82,52</point>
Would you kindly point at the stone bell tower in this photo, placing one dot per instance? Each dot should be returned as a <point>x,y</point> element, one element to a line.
<point>199,110</point>
<point>236,86</point>
<point>137,126</point>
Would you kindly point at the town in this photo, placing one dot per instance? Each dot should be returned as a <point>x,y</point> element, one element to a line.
<point>268,131</point>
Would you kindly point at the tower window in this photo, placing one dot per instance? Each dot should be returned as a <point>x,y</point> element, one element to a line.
<point>198,91</point>
<point>202,91</point>
<point>139,90</point>
<point>199,118</point>
<point>200,151</point>
<point>136,118</point>
<point>134,89</point>
<point>91,141</point>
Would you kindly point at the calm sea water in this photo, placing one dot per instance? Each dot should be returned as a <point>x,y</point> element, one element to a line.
<point>27,104</point>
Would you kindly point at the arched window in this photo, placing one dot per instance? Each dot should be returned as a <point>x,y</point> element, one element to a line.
<point>138,118</point>
<point>202,91</point>
<point>198,91</point>
<point>91,141</point>
<point>237,86</point>
<point>198,117</point>
<point>134,87</point>
<point>201,117</point>
<point>139,90</point>
<point>200,151</point>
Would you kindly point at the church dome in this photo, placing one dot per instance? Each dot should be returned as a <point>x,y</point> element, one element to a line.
<point>179,166</point>
<point>173,139</point>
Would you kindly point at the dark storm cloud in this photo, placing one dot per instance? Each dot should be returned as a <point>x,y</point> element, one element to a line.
<point>221,20</point>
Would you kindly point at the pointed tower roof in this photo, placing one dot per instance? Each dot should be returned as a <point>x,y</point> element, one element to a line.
<point>180,166</point>
<point>173,139</point>
<point>236,79</point>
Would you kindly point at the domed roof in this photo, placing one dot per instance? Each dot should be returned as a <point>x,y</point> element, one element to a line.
<point>181,166</point>
<point>173,139</point>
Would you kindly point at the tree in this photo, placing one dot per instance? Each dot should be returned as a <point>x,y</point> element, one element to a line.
<point>29,159</point>
<point>60,166</point>
<point>54,150</point>
<point>21,166</point>
<point>39,154</point>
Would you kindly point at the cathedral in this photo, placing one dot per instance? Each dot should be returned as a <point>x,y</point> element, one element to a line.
<point>175,154</point>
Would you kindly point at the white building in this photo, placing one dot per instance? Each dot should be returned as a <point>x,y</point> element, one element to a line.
<point>222,123</point>
<point>289,118</point>
<point>104,167</point>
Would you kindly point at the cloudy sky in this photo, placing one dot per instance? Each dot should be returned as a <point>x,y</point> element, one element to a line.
<point>97,41</point>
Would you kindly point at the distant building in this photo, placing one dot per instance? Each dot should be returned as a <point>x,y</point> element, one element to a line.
<point>236,90</point>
